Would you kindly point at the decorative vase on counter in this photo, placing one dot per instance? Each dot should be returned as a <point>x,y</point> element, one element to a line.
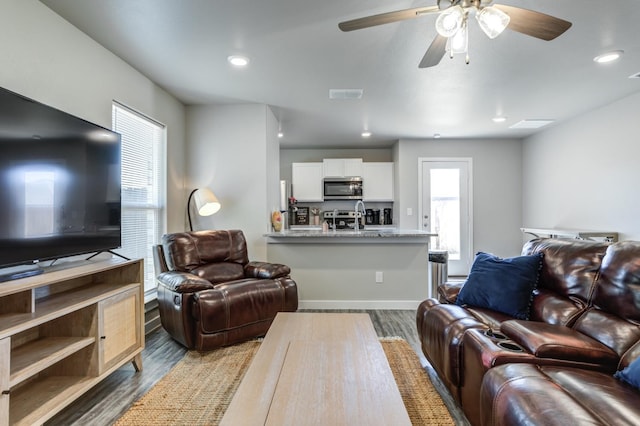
<point>276,221</point>
<point>315,211</point>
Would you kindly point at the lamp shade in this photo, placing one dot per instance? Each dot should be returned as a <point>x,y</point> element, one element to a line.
<point>493,21</point>
<point>449,21</point>
<point>459,42</point>
<point>206,202</point>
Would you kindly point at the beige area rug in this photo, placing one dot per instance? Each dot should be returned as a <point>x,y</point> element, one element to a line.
<point>198,390</point>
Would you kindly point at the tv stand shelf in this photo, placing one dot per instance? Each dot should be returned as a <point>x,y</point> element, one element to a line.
<point>29,359</point>
<point>64,331</point>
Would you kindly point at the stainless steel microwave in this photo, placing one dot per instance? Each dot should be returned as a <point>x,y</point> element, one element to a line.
<point>343,188</point>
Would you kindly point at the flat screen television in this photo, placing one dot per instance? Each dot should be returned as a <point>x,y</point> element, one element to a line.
<point>59,183</point>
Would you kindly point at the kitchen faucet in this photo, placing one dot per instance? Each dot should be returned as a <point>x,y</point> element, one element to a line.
<point>364,213</point>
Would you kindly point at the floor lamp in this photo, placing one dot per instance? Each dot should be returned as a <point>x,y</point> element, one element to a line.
<point>206,203</point>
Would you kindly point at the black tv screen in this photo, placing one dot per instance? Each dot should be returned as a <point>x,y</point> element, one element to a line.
<point>59,183</point>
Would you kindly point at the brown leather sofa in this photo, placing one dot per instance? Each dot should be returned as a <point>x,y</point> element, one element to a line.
<point>557,367</point>
<point>210,295</point>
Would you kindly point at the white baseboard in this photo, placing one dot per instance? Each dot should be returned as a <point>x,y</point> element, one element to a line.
<point>359,304</point>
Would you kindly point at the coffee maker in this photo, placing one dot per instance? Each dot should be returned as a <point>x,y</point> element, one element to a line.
<point>368,218</point>
<point>372,217</point>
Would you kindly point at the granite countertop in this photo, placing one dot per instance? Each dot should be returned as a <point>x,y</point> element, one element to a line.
<point>366,233</point>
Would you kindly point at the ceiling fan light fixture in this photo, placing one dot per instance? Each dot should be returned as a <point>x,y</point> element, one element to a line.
<point>459,42</point>
<point>450,21</point>
<point>493,21</point>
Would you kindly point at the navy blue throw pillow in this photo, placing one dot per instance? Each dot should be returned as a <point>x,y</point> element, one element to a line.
<point>631,374</point>
<point>503,285</point>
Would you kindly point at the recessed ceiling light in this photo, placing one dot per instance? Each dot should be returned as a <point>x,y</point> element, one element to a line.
<point>436,136</point>
<point>366,134</point>
<point>499,119</point>
<point>238,61</point>
<point>608,57</point>
<point>280,134</point>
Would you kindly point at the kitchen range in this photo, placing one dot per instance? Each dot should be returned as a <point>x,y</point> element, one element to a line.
<point>346,219</point>
<point>343,219</point>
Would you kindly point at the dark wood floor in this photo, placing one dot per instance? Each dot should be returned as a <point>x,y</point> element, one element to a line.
<point>113,396</point>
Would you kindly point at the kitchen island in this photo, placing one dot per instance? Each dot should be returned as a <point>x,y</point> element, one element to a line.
<point>368,269</point>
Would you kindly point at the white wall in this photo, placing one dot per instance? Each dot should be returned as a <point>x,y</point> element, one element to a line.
<point>47,59</point>
<point>228,150</point>
<point>497,183</point>
<point>584,174</point>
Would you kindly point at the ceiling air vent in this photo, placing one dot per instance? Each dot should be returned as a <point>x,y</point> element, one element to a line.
<point>530,124</point>
<point>636,75</point>
<point>345,93</point>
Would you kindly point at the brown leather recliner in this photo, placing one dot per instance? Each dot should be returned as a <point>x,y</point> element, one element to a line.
<point>210,295</point>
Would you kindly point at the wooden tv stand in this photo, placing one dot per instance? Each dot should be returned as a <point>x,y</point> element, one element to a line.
<point>65,330</point>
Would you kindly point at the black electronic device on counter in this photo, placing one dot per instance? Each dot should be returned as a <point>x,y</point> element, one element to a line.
<point>387,218</point>
<point>368,219</point>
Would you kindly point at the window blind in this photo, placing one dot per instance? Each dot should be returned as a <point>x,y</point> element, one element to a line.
<point>143,177</point>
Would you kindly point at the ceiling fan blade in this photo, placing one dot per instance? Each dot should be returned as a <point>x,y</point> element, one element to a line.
<point>435,52</point>
<point>534,24</point>
<point>386,18</point>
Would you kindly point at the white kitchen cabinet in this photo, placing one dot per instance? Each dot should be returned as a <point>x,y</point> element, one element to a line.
<point>306,181</point>
<point>342,167</point>
<point>377,181</point>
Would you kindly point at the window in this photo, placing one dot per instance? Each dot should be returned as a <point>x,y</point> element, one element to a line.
<point>445,210</point>
<point>143,177</point>
<point>445,188</point>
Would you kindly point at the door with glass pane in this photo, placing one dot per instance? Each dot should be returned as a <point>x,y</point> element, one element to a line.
<point>445,209</point>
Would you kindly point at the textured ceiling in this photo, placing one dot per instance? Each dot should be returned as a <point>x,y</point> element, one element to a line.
<point>298,53</point>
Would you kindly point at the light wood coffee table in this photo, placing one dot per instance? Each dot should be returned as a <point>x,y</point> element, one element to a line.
<point>318,369</point>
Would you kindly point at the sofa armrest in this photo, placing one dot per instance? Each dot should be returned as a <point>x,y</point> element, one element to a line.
<point>265,270</point>
<point>183,282</point>
<point>448,291</point>
<point>559,342</point>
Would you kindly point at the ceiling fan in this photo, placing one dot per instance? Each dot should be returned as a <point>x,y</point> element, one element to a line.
<point>451,24</point>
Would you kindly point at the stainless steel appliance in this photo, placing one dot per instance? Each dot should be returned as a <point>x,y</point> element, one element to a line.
<point>388,216</point>
<point>344,188</point>
<point>343,219</point>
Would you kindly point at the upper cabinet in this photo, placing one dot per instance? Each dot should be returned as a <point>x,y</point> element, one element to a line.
<point>377,181</point>
<point>341,167</point>
<point>377,178</point>
<point>306,181</point>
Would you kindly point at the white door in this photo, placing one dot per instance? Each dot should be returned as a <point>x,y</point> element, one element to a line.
<point>445,192</point>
